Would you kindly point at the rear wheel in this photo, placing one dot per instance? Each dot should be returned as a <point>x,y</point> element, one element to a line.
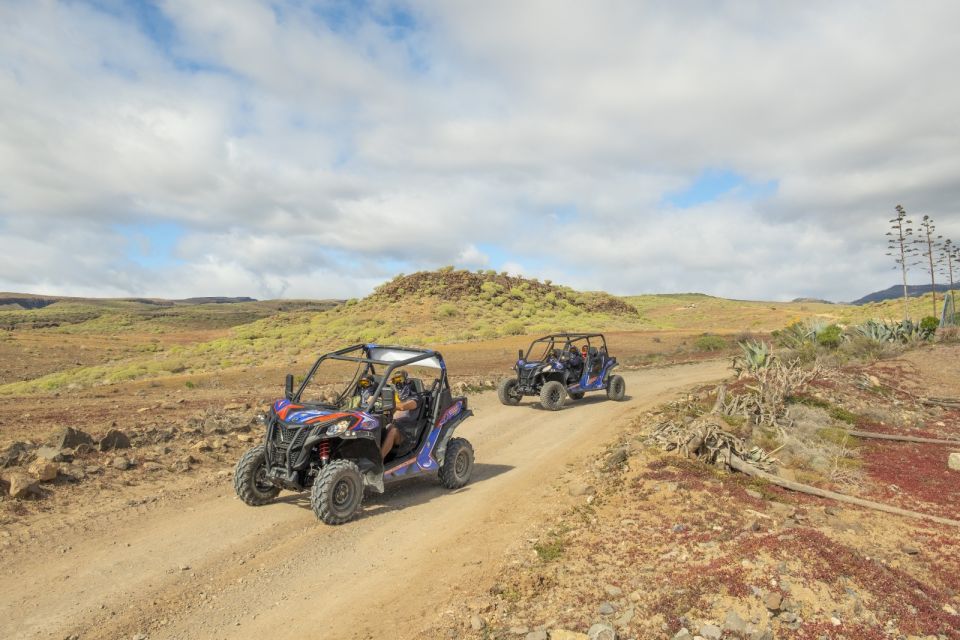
<point>457,464</point>
<point>250,478</point>
<point>507,392</point>
<point>337,492</point>
<point>616,388</point>
<point>552,395</point>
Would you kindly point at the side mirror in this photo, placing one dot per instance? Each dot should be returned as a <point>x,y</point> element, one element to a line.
<point>288,387</point>
<point>519,354</point>
<point>386,399</point>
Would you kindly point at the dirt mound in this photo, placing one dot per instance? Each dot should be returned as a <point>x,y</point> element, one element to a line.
<point>463,285</point>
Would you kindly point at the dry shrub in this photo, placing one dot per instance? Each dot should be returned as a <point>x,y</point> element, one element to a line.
<point>948,335</point>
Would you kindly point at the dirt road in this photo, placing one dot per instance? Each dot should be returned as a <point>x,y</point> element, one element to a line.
<point>200,564</point>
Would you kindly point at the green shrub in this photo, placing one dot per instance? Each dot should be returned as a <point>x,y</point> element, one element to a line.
<point>929,325</point>
<point>514,328</point>
<point>709,342</point>
<point>830,337</point>
<point>446,311</point>
<point>189,384</point>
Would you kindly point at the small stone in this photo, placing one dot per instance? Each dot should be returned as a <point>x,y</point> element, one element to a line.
<point>477,623</point>
<point>519,631</point>
<point>618,457</point>
<point>788,616</point>
<point>536,635</point>
<point>21,485</point>
<point>755,494</point>
<point>683,634</point>
<point>120,463</point>
<point>678,528</point>
<point>772,601</point>
<point>607,609</point>
<point>612,591</point>
<point>761,634</point>
<point>152,466</point>
<point>953,462</point>
<point>635,596</point>
<point>581,489</point>
<point>710,632</point>
<point>910,550</point>
<point>70,438</point>
<point>563,634</point>
<point>601,631</point>
<point>115,439</point>
<point>733,622</point>
<point>625,619</point>
<point>15,454</point>
<point>43,470</point>
<point>202,445</point>
<point>184,567</point>
<point>947,608</point>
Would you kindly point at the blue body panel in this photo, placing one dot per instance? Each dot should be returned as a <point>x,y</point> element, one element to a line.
<point>424,461</point>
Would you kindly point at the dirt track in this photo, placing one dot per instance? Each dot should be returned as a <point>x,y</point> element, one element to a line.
<point>201,564</point>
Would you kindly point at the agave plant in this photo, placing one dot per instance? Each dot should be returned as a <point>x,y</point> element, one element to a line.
<point>756,355</point>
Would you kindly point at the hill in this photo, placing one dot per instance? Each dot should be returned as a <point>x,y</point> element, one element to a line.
<point>896,292</point>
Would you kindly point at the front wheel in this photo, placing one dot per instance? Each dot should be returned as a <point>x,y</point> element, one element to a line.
<point>250,478</point>
<point>616,388</point>
<point>337,492</point>
<point>507,392</point>
<point>457,464</point>
<point>552,395</point>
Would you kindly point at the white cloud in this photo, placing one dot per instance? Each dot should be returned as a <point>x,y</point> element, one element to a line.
<point>303,156</point>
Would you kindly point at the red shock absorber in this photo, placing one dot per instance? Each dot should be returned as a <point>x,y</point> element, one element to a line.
<point>324,451</point>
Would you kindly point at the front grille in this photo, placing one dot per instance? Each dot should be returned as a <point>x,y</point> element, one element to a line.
<point>288,441</point>
<point>527,376</point>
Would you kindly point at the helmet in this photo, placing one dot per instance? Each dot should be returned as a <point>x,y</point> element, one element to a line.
<point>365,381</point>
<point>399,377</point>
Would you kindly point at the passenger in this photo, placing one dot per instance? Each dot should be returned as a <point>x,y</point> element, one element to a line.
<point>405,411</point>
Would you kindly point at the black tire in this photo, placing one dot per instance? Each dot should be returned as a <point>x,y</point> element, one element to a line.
<point>249,478</point>
<point>576,396</point>
<point>507,392</point>
<point>457,464</point>
<point>337,492</point>
<point>616,388</point>
<point>552,395</point>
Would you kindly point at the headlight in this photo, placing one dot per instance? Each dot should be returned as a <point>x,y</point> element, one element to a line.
<point>548,368</point>
<point>338,428</point>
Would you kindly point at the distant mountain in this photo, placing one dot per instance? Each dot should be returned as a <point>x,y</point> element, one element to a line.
<point>11,301</point>
<point>818,300</point>
<point>896,291</point>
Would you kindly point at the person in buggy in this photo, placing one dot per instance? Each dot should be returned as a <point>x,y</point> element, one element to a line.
<point>405,413</point>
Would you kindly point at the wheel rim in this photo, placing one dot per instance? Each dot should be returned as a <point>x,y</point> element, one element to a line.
<point>343,493</point>
<point>554,396</point>
<point>460,464</point>
<point>260,482</point>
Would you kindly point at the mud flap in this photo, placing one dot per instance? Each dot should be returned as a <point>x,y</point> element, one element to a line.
<point>441,449</point>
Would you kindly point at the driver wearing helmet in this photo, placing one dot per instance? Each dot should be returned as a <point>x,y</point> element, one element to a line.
<point>404,415</point>
<point>364,391</point>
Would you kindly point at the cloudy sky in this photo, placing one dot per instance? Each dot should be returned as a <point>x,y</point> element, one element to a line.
<point>300,149</point>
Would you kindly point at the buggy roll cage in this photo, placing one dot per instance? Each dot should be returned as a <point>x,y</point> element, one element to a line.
<point>342,354</point>
<point>566,338</point>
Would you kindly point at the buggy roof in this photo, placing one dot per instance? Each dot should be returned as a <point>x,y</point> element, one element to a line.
<point>570,336</point>
<point>389,355</point>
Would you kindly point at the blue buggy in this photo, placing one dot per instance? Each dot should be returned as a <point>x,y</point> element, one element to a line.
<point>562,365</point>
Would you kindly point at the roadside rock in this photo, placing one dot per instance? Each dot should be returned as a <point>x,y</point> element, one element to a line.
<point>50,454</point>
<point>16,453</point>
<point>710,632</point>
<point>115,439</point>
<point>581,489</point>
<point>607,609</point>
<point>152,466</point>
<point>601,631</point>
<point>120,463</point>
<point>772,601</point>
<point>22,485</point>
<point>536,635</point>
<point>563,634</point>
<point>683,634</point>
<point>953,462</point>
<point>733,622</point>
<point>617,458</point>
<point>477,623</point>
<point>612,591</point>
<point>43,470</point>
<point>70,438</point>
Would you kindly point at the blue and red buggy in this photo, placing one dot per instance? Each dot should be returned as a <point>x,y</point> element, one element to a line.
<point>563,365</point>
<point>325,436</point>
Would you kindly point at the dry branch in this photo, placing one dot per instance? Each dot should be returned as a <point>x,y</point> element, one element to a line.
<point>886,436</point>
<point>747,468</point>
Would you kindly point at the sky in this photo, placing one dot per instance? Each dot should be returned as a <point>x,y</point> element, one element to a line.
<point>316,149</point>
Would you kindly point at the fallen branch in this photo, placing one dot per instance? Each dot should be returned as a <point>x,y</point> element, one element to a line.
<point>887,436</point>
<point>947,403</point>
<point>744,467</point>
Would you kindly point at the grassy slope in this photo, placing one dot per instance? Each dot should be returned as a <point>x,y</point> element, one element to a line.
<point>423,308</point>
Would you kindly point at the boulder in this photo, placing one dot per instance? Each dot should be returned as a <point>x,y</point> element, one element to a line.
<point>50,454</point>
<point>115,439</point>
<point>70,438</point>
<point>710,632</point>
<point>22,485</point>
<point>43,470</point>
<point>953,462</point>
